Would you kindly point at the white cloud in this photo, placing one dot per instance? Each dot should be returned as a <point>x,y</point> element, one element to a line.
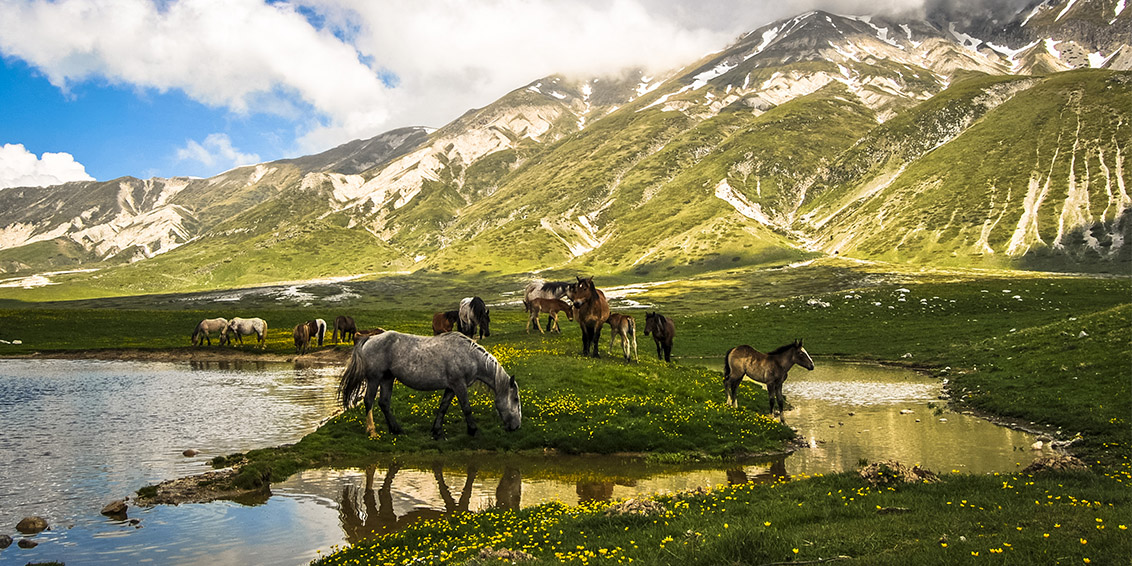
<point>22,168</point>
<point>244,55</point>
<point>444,56</point>
<point>216,152</point>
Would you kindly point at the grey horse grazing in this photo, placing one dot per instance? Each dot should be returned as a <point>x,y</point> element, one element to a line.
<point>246,326</point>
<point>769,369</point>
<point>206,327</point>
<point>449,361</point>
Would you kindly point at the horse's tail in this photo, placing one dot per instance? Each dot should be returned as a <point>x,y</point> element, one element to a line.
<point>727,363</point>
<point>353,378</point>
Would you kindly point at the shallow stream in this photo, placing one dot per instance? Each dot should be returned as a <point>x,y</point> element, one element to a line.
<point>78,434</point>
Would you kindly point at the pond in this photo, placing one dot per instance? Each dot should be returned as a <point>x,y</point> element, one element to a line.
<point>79,434</point>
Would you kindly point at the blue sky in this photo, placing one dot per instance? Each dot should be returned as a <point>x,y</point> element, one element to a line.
<point>196,87</point>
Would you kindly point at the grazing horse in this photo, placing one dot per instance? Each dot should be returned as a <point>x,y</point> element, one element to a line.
<point>449,361</point>
<point>320,331</point>
<point>539,289</point>
<point>769,369</point>
<point>590,310</point>
<point>663,330</point>
<point>206,327</point>
<point>313,328</point>
<point>302,335</point>
<point>551,307</point>
<point>474,315</point>
<point>624,326</point>
<point>363,334</point>
<point>345,326</point>
<point>444,321</point>
<point>245,326</point>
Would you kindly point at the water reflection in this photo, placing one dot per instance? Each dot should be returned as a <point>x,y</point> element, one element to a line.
<point>375,513</point>
<point>386,497</point>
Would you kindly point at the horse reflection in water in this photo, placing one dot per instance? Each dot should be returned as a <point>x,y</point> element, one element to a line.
<point>375,512</point>
<point>775,472</point>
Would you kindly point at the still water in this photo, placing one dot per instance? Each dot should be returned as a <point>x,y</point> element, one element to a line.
<point>75,435</point>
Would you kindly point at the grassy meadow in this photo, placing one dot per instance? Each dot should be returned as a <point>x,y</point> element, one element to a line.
<point>1051,352</point>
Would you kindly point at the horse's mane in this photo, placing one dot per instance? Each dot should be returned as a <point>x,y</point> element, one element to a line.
<point>782,349</point>
<point>492,362</point>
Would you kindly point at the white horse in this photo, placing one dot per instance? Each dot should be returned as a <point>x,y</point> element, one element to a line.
<point>245,326</point>
<point>206,327</point>
<point>449,361</point>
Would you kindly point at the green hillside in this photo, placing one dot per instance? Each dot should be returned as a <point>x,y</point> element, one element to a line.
<point>1036,181</point>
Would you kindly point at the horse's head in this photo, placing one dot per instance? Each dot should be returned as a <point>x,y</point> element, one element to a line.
<point>507,403</point>
<point>567,308</point>
<point>485,322</point>
<point>802,357</point>
<point>651,321</point>
<point>581,291</point>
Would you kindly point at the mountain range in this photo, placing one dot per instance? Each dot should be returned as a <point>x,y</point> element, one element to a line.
<point>947,140</point>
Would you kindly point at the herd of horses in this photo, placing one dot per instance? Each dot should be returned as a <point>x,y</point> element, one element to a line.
<point>451,360</point>
<point>304,333</point>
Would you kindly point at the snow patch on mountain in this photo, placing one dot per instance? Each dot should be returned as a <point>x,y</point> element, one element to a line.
<point>724,191</point>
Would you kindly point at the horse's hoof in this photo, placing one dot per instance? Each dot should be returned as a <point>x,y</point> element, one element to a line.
<point>438,435</point>
<point>395,430</point>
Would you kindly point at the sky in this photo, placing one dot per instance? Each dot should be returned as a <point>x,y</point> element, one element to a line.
<point>100,89</point>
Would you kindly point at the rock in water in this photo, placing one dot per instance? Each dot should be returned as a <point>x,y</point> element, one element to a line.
<point>189,453</point>
<point>31,525</point>
<point>116,509</point>
<point>27,543</point>
<point>5,541</point>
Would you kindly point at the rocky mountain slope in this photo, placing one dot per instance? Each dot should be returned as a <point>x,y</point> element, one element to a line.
<point>951,140</point>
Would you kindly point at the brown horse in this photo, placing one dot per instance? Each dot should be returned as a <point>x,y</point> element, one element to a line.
<point>444,321</point>
<point>590,310</point>
<point>551,307</point>
<point>663,330</point>
<point>624,326</point>
<point>302,338</point>
<point>313,328</point>
<point>361,334</point>
<point>345,326</point>
<point>769,369</point>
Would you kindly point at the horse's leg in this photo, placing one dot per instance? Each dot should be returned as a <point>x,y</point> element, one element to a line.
<point>729,391</point>
<point>668,351</point>
<point>367,404</point>
<point>624,345</point>
<point>386,394</point>
<point>587,336</point>
<point>597,340</point>
<point>659,348</point>
<point>438,422</point>
<point>462,397</point>
<point>781,401</point>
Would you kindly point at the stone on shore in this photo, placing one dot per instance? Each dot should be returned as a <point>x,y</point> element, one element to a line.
<point>31,525</point>
<point>116,509</point>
